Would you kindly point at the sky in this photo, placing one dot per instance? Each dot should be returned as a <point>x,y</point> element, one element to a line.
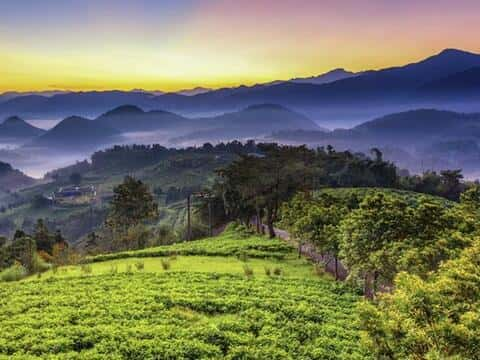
<point>177,44</point>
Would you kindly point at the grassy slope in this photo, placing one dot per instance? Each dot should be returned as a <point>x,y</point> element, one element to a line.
<point>203,307</point>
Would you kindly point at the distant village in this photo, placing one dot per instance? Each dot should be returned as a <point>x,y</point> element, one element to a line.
<point>74,194</point>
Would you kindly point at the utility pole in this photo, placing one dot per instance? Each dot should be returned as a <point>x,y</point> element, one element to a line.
<point>210,230</point>
<point>189,224</point>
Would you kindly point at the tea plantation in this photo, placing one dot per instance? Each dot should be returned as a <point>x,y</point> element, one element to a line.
<point>133,306</point>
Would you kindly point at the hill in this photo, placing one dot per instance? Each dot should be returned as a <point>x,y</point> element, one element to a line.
<point>197,306</point>
<point>253,121</point>
<point>12,179</point>
<point>129,118</point>
<point>75,133</point>
<point>412,139</point>
<point>425,123</point>
<point>16,128</point>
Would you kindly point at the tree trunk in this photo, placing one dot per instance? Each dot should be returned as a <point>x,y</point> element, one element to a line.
<point>271,230</point>
<point>336,269</point>
<point>259,221</point>
<point>369,291</point>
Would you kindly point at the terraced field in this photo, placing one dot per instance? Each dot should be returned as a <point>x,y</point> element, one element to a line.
<point>199,307</point>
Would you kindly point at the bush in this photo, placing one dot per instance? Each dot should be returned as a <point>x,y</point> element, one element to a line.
<point>140,265</point>
<point>277,271</point>
<point>248,271</point>
<point>268,271</point>
<point>242,257</point>
<point>14,273</point>
<point>165,264</point>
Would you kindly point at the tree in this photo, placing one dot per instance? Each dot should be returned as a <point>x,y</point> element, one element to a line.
<point>76,178</point>
<point>40,202</point>
<point>451,186</point>
<point>24,250</point>
<point>256,185</point>
<point>372,238</point>
<point>42,236</point>
<point>92,243</point>
<point>316,221</point>
<point>436,318</point>
<point>132,205</point>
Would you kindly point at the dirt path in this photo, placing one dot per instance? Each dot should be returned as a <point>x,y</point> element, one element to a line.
<point>308,250</point>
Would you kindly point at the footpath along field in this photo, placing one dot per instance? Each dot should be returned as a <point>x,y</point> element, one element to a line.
<point>173,303</point>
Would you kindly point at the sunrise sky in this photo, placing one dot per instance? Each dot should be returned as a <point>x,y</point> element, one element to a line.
<point>176,44</point>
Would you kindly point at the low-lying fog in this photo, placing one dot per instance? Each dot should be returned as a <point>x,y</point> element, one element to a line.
<point>37,162</point>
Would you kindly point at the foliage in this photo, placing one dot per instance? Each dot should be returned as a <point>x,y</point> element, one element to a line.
<point>436,318</point>
<point>76,178</point>
<point>14,273</point>
<point>40,202</point>
<point>165,264</point>
<point>178,315</point>
<point>132,204</point>
<point>377,233</point>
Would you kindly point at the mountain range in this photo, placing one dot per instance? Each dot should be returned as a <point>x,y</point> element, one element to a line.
<point>448,79</point>
<point>79,134</point>
<point>14,128</point>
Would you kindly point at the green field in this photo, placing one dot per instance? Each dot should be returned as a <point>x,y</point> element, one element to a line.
<point>204,306</point>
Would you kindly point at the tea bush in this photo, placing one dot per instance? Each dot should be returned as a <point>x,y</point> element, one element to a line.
<point>178,316</point>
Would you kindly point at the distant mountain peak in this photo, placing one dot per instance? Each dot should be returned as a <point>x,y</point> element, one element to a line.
<point>452,51</point>
<point>13,120</point>
<point>124,110</point>
<point>15,127</point>
<point>328,77</point>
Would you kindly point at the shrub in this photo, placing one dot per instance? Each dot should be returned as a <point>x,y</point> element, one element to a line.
<point>165,264</point>
<point>277,271</point>
<point>268,271</point>
<point>243,257</point>
<point>140,265</point>
<point>248,271</point>
<point>14,273</point>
